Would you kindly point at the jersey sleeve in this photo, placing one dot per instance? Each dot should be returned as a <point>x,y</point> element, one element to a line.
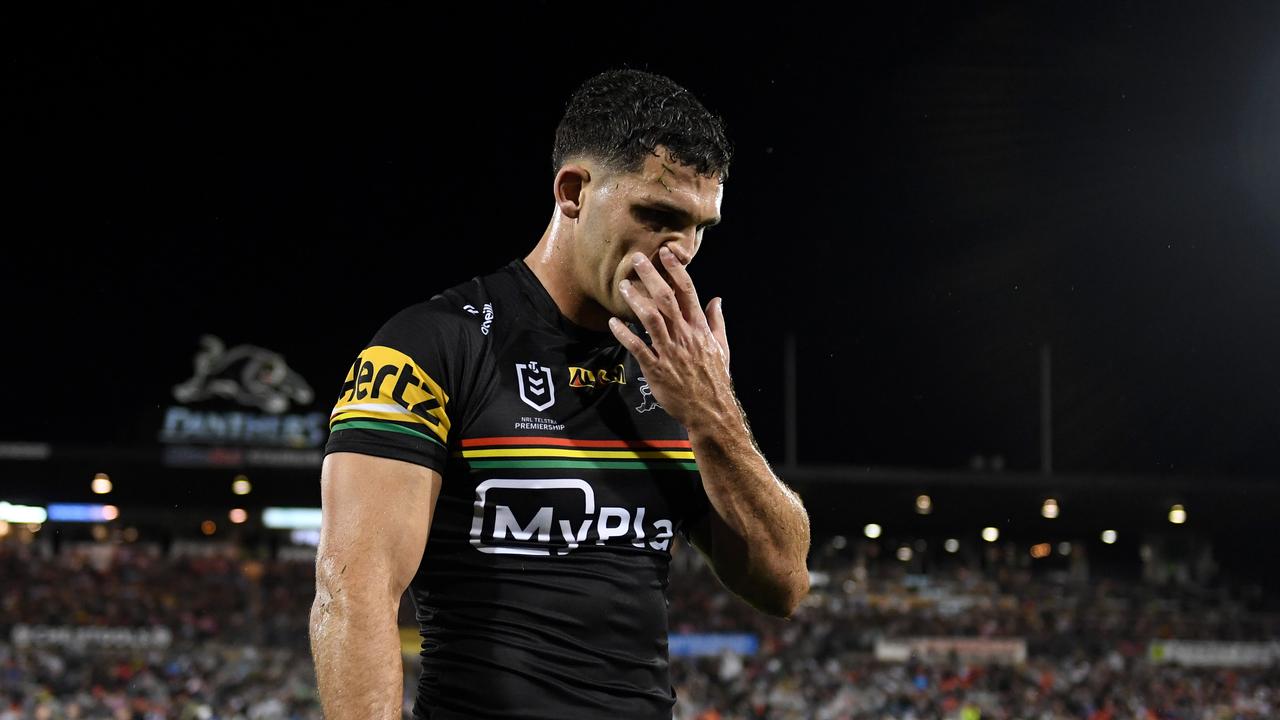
<point>400,398</point>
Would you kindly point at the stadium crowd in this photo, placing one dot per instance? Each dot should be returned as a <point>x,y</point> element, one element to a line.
<point>235,644</point>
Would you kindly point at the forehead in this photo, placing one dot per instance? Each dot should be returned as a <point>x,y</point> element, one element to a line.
<point>663,180</point>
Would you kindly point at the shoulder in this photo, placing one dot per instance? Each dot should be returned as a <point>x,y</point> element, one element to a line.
<point>465,312</point>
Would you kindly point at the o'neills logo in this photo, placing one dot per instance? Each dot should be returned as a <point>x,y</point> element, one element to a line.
<point>386,386</point>
<point>584,378</point>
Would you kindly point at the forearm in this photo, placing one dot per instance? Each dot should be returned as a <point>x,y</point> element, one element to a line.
<point>761,541</point>
<point>355,644</point>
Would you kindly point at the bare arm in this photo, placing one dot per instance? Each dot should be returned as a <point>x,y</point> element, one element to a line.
<point>756,536</point>
<point>376,516</point>
<point>757,533</point>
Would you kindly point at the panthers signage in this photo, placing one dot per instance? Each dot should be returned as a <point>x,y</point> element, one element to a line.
<point>243,396</point>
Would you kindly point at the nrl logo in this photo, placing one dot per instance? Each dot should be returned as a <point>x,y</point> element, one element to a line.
<point>245,374</point>
<point>536,388</point>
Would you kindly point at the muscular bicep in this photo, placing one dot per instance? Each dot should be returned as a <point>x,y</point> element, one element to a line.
<point>376,515</point>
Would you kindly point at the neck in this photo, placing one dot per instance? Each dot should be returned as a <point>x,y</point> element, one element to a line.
<point>552,263</point>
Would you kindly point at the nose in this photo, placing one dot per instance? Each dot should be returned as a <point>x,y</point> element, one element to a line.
<point>684,245</point>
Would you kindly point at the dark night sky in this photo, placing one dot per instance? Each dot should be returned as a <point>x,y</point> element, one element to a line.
<point>923,195</point>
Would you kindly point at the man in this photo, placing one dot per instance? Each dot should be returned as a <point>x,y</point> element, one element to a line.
<point>514,453</point>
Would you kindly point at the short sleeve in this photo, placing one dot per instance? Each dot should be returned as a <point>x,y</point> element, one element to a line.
<point>399,398</point>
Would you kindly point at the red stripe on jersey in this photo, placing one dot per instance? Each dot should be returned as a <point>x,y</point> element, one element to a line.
<point>568,442</point>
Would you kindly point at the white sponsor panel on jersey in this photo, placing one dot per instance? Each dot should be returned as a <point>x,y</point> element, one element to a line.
<point>553,524</point>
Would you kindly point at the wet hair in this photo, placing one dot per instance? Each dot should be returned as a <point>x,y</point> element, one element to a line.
<point>619,117</point>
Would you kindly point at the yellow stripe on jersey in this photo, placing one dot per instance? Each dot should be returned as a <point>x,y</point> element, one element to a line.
<point>564,452</point>
<point>386,384</point>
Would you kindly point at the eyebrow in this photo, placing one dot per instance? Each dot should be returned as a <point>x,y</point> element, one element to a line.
<point>664,206</point>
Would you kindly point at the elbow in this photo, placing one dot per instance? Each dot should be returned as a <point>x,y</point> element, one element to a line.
<point>785,601</point>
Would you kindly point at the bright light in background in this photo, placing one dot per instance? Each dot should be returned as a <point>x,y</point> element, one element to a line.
<point>904,553</point>
<point>101,484</point>
<point>1041,550</point>
<point>131,534</point>
<point>291,518</point>
<point>34,527</point>
<point>22,513</point>
<point>990,534</point>
<point>924,504</point>
<point>838,542</point>
<point>305,537</point>
<point>241,486</point>
<point>4,528</point>
<point>208,527</point>
<point>1064,548</point>
<point>80,512</point>
<point>951,545</point>
<point>1049,509</point>
<point>872,531</point>
<point>1109,537</point>
<point>1177,515</point>
<point>110,512</point>
<point>238,515</point>
<point>99,532</point>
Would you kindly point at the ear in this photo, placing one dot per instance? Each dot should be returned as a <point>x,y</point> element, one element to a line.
<point>570,187</point>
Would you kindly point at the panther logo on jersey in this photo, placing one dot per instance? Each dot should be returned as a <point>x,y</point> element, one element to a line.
<point>647,402</point>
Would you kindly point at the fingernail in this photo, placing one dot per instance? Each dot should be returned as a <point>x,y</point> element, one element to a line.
<point>639,259</point>
<point>624,285</point>
<point>665,253</point>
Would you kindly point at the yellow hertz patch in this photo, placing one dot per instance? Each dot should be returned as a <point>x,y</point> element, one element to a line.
<point>384,384</point>
<point>582,377</point>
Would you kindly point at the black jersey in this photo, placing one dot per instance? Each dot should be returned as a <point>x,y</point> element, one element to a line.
<point>541,593</point>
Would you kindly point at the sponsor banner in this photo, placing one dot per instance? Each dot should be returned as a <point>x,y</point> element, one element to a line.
<point>701,645</point>
<point>25,451</point>
<point>185,425</point>
<point>206,457</point>
<point>973,649</point>
<point>1211,653</point>
<point>90,637</point>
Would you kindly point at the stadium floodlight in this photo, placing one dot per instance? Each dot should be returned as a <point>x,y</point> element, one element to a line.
<point>872,531</point>
<point>241,486</point>
<point>1110,536</point>
<point>1064,548</point>
<point>904,553</point>
<point>1049,509</point>
<point>1041,550</point>
<point>1177,515</point>
<point>291,518</point>
<point>924,504</point>
<point>952,545</point>
<point>101,484</point>
<point>22,514</point>
<point>238,515</point>
<point>990,534</point>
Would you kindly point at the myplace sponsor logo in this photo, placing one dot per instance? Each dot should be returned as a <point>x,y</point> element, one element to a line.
<point>555,516</point>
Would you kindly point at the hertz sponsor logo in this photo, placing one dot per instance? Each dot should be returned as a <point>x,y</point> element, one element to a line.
<point>387,386</point>
<point>584,378</point>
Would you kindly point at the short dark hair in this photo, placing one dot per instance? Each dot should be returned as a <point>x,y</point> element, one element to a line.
<point>620,116</point>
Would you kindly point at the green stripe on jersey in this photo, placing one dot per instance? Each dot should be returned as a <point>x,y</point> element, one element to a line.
<point>384,427</point>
